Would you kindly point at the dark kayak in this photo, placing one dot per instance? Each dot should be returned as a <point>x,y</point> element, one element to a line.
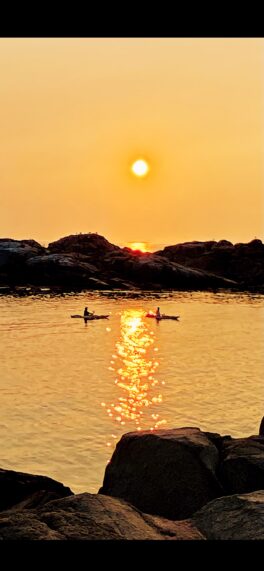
<point>163,316</point>
<point>91,317</point>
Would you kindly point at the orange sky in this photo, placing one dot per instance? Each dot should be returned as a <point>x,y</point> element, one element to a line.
<point>74,113</point>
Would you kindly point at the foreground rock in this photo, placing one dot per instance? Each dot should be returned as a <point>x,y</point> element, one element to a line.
<point>171,473</point>
<point>29,490</point>
<point>88,516</point>
<point>98,517</point>
<point>233,517</point>
<point>179,481</point>
<point>242,465</point>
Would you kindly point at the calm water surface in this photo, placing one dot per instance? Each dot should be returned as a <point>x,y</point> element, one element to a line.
<point>70,390</point>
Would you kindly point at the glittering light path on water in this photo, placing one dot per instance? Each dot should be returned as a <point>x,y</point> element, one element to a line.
<point>134,364</point>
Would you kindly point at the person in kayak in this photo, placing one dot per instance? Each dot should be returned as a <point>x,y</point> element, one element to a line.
<point>158,314</point>
<point>86,312</point>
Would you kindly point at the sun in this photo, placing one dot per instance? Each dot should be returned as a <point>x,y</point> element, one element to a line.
<point>141,246</point>
<point>140,168</point>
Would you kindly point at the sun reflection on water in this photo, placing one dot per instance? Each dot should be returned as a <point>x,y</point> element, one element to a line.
<point>134,363</point>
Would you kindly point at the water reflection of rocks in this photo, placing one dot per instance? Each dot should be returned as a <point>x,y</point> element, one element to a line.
<point>134,364</point>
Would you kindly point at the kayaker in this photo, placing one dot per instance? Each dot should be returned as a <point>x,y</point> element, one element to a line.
<point>158,314</point>
<point>86,312</point>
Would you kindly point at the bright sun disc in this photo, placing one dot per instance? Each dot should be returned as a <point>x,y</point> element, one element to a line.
<point>140,168</point>
<point>141,246</point>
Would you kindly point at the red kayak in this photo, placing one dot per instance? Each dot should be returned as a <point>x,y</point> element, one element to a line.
<point>162,316</point>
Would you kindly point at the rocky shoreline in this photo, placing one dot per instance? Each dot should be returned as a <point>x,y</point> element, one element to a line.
<point>175,484</point>
<point>89,262</point>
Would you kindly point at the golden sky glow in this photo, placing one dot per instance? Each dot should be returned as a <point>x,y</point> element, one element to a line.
<point>76,113</point>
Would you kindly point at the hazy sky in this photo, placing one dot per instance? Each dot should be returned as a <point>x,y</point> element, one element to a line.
<point>74,114</point>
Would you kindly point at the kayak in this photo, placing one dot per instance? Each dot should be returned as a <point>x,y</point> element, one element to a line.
<point>91,317</point>
<point>163,316</point>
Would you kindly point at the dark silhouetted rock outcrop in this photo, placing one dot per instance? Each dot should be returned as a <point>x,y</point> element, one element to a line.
<point>89,261</point>
<point>13,258</point>
<point>242,465</point>
<point>86,244</point>
<point>165,484</point>
<point>171,473</point>
<point>236,517</point>
<point>88,516</point>
<point>150,270</point>
<point>67,269</point>
<point>17,250</point>
<point>17,487</point>
<point>142,269</point>
<point>243,263</point>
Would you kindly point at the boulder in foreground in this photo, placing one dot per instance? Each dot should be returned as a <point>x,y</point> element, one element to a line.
<point>98,517</point>
<point>233,517</point>
<point>170,473</point>
<point>92,517</point>
<point>242,465</point>
<point>17,487</point>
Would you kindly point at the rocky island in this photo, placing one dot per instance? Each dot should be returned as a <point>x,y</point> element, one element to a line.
<point>177,484</point>
<point>90,262</point>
